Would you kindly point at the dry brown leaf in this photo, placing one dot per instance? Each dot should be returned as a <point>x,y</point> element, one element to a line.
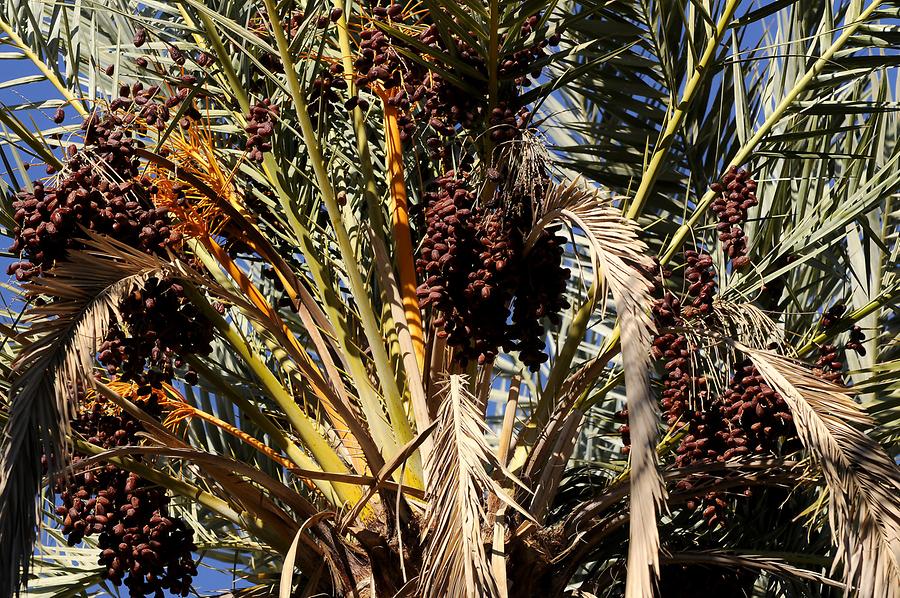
<point>455,563</point>
<point>623,261</point>
<point>863,483</point>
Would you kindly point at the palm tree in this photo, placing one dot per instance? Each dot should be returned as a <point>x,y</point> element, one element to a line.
<point>470,298</point>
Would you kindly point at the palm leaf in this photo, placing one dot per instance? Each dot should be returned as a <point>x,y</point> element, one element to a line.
<point>774,565</point>
<point>622,260</point>
<point>86,291</point>
<point>863,482</point>
<point>455,563</point>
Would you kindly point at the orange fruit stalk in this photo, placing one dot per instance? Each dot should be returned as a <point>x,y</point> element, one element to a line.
<point>403,249</point>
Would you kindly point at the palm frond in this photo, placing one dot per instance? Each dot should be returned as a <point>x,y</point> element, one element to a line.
<point>455,563</point>
<point>862,481</point>
<point>297,415</point>
<point>774,565</point>
<point>623,262</point>
<point>86,291</point>
<point>60,571</point>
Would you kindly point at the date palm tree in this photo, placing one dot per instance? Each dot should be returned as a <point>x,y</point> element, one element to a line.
<point>469,298</point>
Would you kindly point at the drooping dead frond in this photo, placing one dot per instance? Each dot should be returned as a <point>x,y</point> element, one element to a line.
<point>863,482</point>
<point>85,292</point>
<point>622,260</point>
<point>455,564</point>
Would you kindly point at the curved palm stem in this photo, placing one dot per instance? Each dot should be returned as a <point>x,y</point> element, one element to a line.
<point>325,456</point>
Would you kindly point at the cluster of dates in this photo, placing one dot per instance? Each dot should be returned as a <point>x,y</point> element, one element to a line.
<point>487,291</point>
<point>444,102</point>
<point>736,194</point>
<point>747,418</point>
<point>100,189</point>
<point>141,544</point>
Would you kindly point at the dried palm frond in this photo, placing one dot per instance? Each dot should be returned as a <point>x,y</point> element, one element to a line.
<point>85,292</point>
<point>622,260</point>
<point>863,482</point>
<point>555,444</point>
<point>455,564</point>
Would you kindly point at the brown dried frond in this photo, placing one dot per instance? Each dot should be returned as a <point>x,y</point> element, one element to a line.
<point>620,261</point>
<point>863,482</point>
<point>455,561</point>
